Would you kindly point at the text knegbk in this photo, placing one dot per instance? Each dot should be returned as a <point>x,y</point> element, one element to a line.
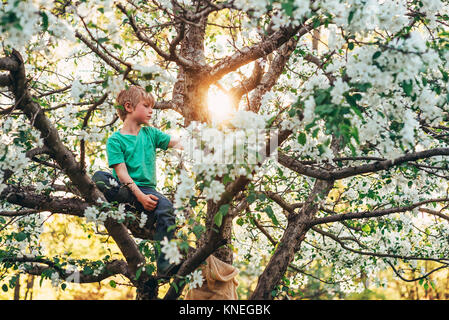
<point>237,309</point>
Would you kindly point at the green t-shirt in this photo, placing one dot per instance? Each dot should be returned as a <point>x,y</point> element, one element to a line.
<point>138,153</point>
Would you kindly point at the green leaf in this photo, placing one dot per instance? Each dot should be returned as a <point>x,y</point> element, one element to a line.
<point>366,228</point>
<point>218,219</point>
<point>251,197</point>
<point>302,138</point>
<point>112,283</point>
<point>321,97</point>
<point>102,40</point>
<point>149,269</point>
<point>198,230</point>
<point>377,54</point>
<point>224,209</point>
<point>138,273</point>
<point>226,179</point>
<point>44,21</point>
<point>20,236</point>
<point>407,86</point>
<point>351,16</point>
<point>88,271</point>
<point>5,288</point>
<point>288,8</point>
<point>271,215</point>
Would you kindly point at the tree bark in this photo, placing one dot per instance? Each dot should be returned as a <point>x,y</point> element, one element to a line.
<point>290,243</point>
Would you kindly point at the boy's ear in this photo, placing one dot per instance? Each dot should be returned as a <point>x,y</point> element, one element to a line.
<point>127,106</point>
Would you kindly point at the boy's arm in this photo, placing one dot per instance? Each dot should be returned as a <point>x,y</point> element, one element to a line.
<point>175,143</point>
<point>148,201</point>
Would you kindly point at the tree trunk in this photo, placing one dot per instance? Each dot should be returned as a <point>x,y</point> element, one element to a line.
<point>282,257</point>
<point>17,288</point>
<point>290,243</point>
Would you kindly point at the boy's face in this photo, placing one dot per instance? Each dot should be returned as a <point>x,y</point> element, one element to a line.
<point>142,112</point>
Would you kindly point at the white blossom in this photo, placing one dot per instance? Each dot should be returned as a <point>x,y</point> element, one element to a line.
<point>195,279</point>
<point>171,251</point>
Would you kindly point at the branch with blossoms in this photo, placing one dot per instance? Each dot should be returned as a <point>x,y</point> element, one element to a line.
<point>40,265</point>
<point>372,214</point>
<point>341,242</point>
<point>444,263</point>
<point>337,174</point>
<point>172,55</point>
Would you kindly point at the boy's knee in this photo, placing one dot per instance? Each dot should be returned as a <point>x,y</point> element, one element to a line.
<point>166,207</point>
<point>100,176</point>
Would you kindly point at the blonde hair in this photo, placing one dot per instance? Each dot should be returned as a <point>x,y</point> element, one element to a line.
<point>133,95</point>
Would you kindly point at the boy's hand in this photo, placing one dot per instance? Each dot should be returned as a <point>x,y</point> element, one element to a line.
<point>148,201</point>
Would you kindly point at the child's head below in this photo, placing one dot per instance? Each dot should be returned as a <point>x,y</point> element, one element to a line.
<point>136,104</point>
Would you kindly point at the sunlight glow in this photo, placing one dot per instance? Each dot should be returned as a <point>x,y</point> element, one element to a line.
<point>219,105</point>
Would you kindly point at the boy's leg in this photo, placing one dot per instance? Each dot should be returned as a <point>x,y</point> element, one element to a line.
<point>164,214</point>
<point>112,188</point>
<point>165,220</point>
<point>118,192</point>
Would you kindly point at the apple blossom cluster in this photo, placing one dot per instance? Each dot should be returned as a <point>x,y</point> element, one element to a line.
<point>364,16</point>
<point>386,69</point>
<point>25,22</point>
<point>195,279</point>
<point>160,75</point>
<point>391,68</point>
<point>396,237</point>
<point>283,13</point>
<point>13,158</point>
<point>232,151</point>
<point>23,19</point>
<point>171,251</point>
<point>24,237</point>
<point>100,12</point>
<point>77,90</point>
<point>94,214</point>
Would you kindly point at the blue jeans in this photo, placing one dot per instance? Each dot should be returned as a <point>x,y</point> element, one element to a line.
<point>163,215</point>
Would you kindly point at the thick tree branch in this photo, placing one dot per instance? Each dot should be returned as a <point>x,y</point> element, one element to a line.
<point>8,64</point>
<point>275,70</point>
<point>248,54</point>
<point>247,85</point>
<point>41,264</point>
<point>40,202</point>
<point>211,7</point>
<point>5,81</point>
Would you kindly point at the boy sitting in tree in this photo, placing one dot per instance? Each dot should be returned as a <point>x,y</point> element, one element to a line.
<point>131,153</point>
